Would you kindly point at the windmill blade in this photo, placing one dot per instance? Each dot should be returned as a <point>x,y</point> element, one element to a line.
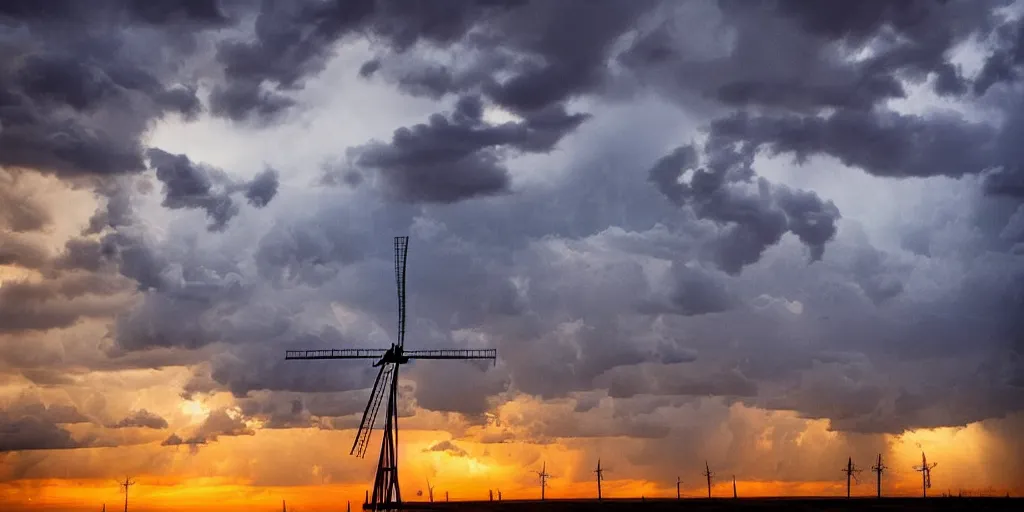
<point>401,252</point>
<point>380,388</point>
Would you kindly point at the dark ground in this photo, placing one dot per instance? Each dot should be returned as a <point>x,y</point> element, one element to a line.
<point>722,504</point>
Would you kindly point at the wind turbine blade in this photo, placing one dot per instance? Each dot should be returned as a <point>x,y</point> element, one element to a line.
<point>380,387</point>
<point>401,253</point>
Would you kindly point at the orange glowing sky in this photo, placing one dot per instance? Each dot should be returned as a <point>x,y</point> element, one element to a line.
<point>311,469</point>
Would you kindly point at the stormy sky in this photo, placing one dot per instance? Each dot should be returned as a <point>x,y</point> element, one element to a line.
<point>769,234</point>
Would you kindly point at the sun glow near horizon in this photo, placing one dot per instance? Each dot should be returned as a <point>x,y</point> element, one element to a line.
<point>468,470</point>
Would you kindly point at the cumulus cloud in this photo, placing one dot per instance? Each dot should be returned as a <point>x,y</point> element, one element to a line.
<point>143,419</point>
<point>741,206</point>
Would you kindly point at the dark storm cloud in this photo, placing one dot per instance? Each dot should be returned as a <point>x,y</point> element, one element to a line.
<point>27,424</point>
<point>459,156</point>
<point>262,188</point>
<point>16,250</point>
<point>693,291</point>
<point>57,303</point>
<point>78,102</point>
<point>142,419</point>
<point>552,277</point>
<point>191,185</point>
<point>20,211</point>
<point>31,433</point>
<point>293,40</point>
<point>796,55</point>
<point>883,143</point>
<point>753,213</point>
<point>187,185</point>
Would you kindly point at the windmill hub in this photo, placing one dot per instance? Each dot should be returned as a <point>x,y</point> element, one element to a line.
<point>393,355</point>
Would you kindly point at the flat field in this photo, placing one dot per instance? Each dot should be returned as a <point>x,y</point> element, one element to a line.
<point>722,504</point>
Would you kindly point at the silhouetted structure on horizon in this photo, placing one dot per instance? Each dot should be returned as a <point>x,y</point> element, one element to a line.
<point>678,483</point>
<point>128,482</point>
<point>709,475</point>
<point>543,474</point>
<point>430,491</point>
<point>926,474</point>
<point>878,469</point>
<point>600,477</point>
<point>386,492</point>
<point>851,474</point>
<point>734,495</point>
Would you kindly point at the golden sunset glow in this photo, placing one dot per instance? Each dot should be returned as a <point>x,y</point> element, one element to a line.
<point>322,475</point>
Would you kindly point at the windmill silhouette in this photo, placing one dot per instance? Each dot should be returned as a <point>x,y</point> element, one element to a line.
<point>386,492</point>
<point>543,474</point>
<point>878,468</point>
<point>709,475</point>
<point>678,483</point>
<point>851,473</point>
<point>926,474</point>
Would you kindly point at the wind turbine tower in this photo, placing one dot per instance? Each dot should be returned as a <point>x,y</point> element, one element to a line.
<point>926,474</point>
<point>709,475</point>
<point>430,491</point>
<point>851,473</point>
<point>386,492</point>
<point>679,482</point>
<point>600,477</point>
<point>543,474</point>
<point>734,495</point>
<point>878,468</point>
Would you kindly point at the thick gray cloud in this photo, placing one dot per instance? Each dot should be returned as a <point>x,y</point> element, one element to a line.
<point>142,418</point>
<point>459,156</point>
<point>606,247</point>
<point>189,185</point>
<point>27,424</point>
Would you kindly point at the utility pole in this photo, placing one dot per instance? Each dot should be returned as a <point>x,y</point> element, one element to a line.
<point>926,474</point>
<point>851,473</point>
<point>734,496</point>
<point>678,482</point>
<point>878,468</point>
<point>128,482</point>
<point>709,475</point>
<point>543,474</point>
<point>600,476</point>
